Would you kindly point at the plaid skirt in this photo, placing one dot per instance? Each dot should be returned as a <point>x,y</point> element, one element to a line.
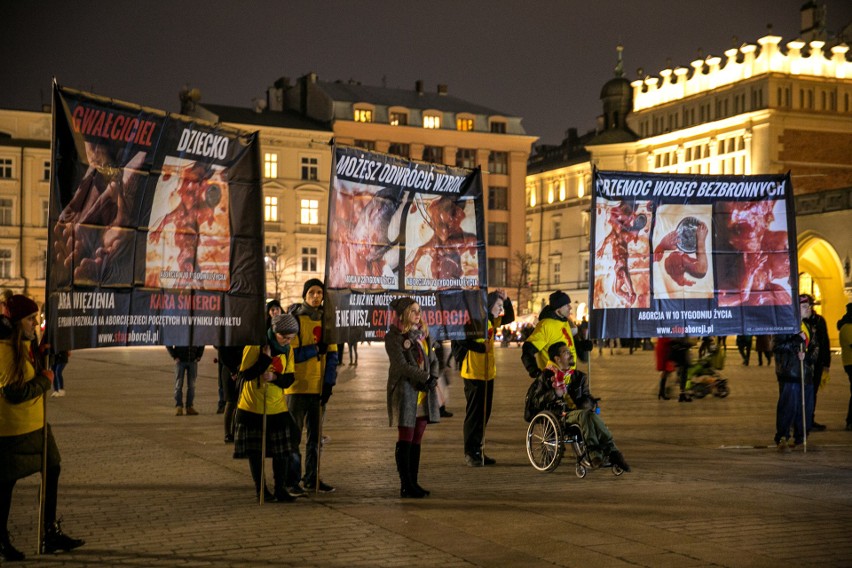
<point>282,438</point>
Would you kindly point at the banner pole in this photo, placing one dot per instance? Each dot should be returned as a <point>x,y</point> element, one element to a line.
<point>319,423</point>
<point>263,449</point>
<point>804,409</point>
<point>42,493</point>
<point>485,395</point>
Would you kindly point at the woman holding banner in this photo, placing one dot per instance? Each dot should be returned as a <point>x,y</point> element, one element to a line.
<point>412,390</point>
<point>262,413</point>
<point>22,429</point>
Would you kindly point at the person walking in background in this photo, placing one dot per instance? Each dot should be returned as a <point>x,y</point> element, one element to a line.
<point>844,326</point>
<point>744,347</point>
<point>763,346</point>
<point>265,371</point>
<point>23,385</point>
<point>60,359</point>
<point>316,374</point>
<point>186,364</point>
<point>478,370</point>
<point>412,391</point>
<point>662,354</point>
<point>273,308</point>
<point>822,363</point>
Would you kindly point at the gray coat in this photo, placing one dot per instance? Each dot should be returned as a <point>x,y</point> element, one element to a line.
<point>406,379</point>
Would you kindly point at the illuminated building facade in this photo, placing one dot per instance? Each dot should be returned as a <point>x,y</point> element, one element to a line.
<point>765,108</point>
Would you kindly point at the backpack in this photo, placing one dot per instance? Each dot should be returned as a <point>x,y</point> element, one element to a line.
<point>539,395</point>
<point>459,352</point>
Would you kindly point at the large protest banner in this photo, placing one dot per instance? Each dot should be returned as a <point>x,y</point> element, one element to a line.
<point>403,228</point>
<point>695,255</point>
<point>155,228</point>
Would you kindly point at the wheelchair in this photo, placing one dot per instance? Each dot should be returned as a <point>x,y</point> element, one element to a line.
<point>547,437</point>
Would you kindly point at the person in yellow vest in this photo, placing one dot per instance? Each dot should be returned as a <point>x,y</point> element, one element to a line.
<point>478,370</point>
<point>23,384</point>
<point>316,374</point>
<point>412,391</point>
<point>554,325</point>
<point>265,372</point>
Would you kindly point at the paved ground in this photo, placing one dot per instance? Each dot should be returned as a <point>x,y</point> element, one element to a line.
<point>146,488</point>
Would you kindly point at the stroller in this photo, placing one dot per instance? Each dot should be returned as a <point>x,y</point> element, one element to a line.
<point>703,376</point>
<point>548,433</point>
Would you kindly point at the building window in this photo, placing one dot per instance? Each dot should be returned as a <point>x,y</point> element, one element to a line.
<point>466,158</point>
<point>498,198</point>
<point>557,227</point>
<point>464,124</point>
<point>270,165</point>
<point>498,234</point>
<point>434,154</point>
<point>528,232</point>
<point>403,150</point>
<point>398,119</point>
<point>368,145</point>
<point>363,115</point>
<point>498,274</point>
<point>431,121</point>
<point>5,212</point>
<point>310,168</point>
<point>5,263</point>
<point>498,163</point>
<point>557,272</point>
<point>45,212</point>
<point>270,209</point>
<point>310,212</point>
<point>585,274</point>
<point>6,168</point>
<point>498,127</point>
<point>45,172</point>
<point>309,259</point>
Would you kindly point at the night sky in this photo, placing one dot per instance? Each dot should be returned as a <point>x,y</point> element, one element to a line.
<point>545,61</point>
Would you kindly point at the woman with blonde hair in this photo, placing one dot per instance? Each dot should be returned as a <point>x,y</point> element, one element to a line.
<point>412,390</point>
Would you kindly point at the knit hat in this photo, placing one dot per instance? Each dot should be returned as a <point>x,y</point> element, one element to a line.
<point>309,284</point>
<point>559,299</point>
<point>20,307</point>
<point>273,304</point>
<point>285,324</point>
<point>399,305</point>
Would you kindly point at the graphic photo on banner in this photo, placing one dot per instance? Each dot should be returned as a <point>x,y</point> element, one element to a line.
<point>365,252</point>
<point>442,245</point>
<point>622,254</point>
<point>754,257</point>
<point>189,240</point>
<point>682,252</point>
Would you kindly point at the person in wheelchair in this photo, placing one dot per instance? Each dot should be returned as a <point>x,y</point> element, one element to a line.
<point>579,406</point>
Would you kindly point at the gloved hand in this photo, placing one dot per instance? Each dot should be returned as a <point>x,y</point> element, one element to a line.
<point>535,374</point>
<point>322,348</point>
<point>49,374</point>
<point>431,383</point>
<point>326,393</point>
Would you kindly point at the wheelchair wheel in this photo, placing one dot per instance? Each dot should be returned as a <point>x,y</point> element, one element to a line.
<point>580,471</point>
<point>616,470</point>
<point>544,441</point>
<point>722,388</point>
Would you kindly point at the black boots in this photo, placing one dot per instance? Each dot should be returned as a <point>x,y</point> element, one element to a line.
<point>662,394</point>
<point>414,469</point>
<point>405,455</point>
<point>55,540</point>
<point>8,552</point>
